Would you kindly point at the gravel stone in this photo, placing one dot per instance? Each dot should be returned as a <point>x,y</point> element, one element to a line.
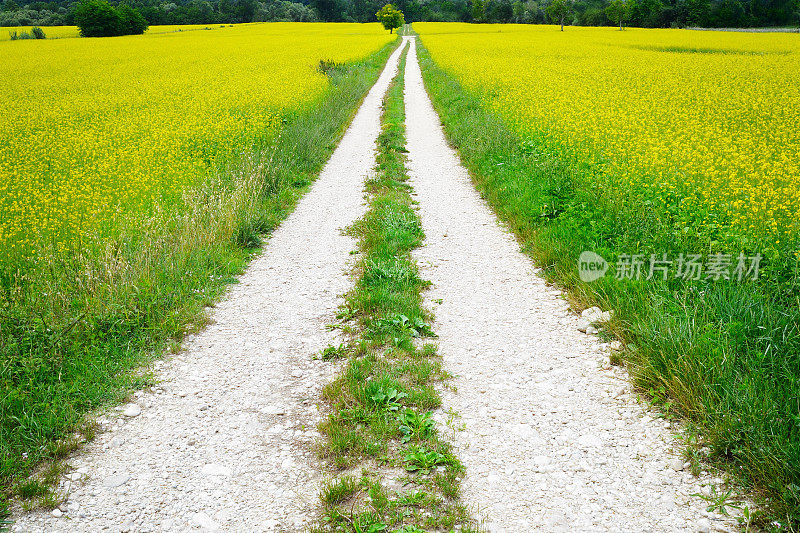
<point>113,482</point>
<point>216,470</point>
<point>132,410</point>
<point>204,522</point>
<point>677,464</point>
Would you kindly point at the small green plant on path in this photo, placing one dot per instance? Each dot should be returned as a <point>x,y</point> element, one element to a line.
<point>718,502</point>
<point>420,460</point>
<point>380,417</point>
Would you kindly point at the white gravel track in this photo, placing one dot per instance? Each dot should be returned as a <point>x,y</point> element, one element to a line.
<point>225,441</point>
<point>550,434</point>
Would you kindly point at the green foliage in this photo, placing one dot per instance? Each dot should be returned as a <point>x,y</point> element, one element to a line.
<point>558,10</point>
<point>479,10</point>
<point>422,460</point>
<point>390,17</point>
<point>339,491</point>
<point>415,426</point>
<point>334,352</point>
<point>131,21</point>
<point>643,13</point>
<point>98,18</point>
<point>387,400</point>
<point>618,12</point>
<point>35,33</point>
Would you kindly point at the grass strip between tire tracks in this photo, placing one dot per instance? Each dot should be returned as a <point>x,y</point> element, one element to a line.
<point>394,472</point>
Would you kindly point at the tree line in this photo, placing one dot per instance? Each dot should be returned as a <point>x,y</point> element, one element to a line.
<point>641,13</point>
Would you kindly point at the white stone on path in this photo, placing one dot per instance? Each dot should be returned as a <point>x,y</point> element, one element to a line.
<point>216,470</point>
<point>132,410</point>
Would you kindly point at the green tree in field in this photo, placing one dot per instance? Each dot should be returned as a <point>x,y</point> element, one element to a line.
<point>98,18</point>
<point>479,10</point>
<point>558,10</point>
<point>131,21</point>
<point>618,12</point>
<point>390,17</point>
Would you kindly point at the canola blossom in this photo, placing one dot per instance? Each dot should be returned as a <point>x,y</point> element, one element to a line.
<point>95,130</point>
<point>699,127</point>
<point>64,32</point>
<point>51,32</point>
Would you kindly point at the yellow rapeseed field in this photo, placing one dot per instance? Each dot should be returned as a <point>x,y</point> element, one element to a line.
<point>51,32</point>
<point>63,32</point>
<point>96,129</point>
<point>701,126</point>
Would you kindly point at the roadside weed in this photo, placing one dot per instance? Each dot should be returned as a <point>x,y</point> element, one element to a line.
<point>719,501</point>
<point>415,426</point>
<point>420,460</point>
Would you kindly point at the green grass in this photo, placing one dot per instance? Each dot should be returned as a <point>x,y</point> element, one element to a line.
<point>723,356</point>
<point>380,406</point>
<point>77,332</point>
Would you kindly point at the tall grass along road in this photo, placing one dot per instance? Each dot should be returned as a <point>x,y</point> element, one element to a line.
<point>225,440</point>
<point>552,438</point>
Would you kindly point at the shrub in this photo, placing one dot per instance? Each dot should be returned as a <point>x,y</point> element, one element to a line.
<point>35,33</point>
<point>98,18</point>
<point>390,17</point>
<point>132,22</point>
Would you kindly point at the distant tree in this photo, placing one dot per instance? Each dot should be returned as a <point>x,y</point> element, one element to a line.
<point>390,17</point>
<point>646,13</point>
<point>499,11</point>
<point>697,12</point>
<point>329,10</point>
<point>478,10</point>
<point>617,12</point>
<point>245,10</point>
<point>558,11</point>
<point>98,18</point>
<point>131,21</point>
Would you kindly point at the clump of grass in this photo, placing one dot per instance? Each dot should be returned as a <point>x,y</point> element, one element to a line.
<point>722,356</point>
<point>75,324</point>
<point>381,405</point>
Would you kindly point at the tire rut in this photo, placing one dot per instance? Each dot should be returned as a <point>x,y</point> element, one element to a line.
<point>550,433</point>
<point>225,441</point>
